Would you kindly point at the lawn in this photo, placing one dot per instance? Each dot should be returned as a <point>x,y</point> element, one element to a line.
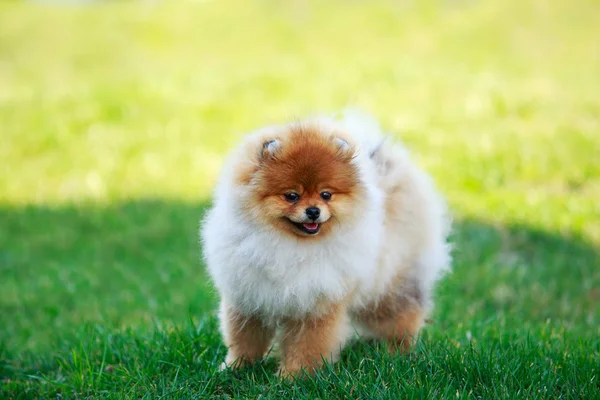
<point>114,120</point>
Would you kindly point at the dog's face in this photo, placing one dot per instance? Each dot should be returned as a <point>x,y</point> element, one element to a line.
<point>306,183</point>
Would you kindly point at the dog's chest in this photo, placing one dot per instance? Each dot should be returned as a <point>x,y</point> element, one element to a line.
<point>280,278</point>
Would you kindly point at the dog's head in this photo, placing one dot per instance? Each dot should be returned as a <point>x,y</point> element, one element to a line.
<point>305,182</point>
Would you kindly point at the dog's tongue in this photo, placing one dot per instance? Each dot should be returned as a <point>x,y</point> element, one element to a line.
<point>312,226</point>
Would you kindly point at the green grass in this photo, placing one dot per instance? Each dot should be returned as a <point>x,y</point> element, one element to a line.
<point>114,119</point>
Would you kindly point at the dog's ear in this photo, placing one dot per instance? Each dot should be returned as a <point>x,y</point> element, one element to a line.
<point>341,143</point>
<point>269,148</point>
<point>345,150</point>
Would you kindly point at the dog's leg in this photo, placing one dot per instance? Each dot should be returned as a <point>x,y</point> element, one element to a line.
<point>395,319</point>
<point>247,338</point>
<point>307,343</point>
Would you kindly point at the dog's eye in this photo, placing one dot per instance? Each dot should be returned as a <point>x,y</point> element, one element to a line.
<point>326,196</point>
<point>292,197</point>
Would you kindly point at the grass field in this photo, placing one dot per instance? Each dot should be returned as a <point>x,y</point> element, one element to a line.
<point>114,119</point>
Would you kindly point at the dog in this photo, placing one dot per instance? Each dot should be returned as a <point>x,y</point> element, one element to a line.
<point>319,229</point>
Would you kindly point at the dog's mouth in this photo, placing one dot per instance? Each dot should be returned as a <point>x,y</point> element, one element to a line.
<point>308,228</point>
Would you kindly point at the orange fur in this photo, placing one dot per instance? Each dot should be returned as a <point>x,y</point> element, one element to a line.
<point>307,343</point>
<point>248,338</point>
<point>395,319</point>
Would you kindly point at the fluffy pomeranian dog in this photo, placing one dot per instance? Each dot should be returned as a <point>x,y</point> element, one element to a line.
<point>320,229</point>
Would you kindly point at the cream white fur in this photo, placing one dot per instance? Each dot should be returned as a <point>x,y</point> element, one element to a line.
<point>401,233</point>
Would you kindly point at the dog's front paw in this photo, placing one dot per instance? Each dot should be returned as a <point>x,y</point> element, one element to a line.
<point>294,373</point>
<point>285,373</point>
<point>233,361</point>
<point>235,364</point>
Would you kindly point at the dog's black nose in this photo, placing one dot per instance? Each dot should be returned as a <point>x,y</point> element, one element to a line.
<point>313,213</point>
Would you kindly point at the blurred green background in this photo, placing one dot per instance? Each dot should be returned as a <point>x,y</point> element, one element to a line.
<point>115,117</point>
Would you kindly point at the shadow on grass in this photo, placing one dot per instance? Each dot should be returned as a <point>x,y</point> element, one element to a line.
<point>122,279</point>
